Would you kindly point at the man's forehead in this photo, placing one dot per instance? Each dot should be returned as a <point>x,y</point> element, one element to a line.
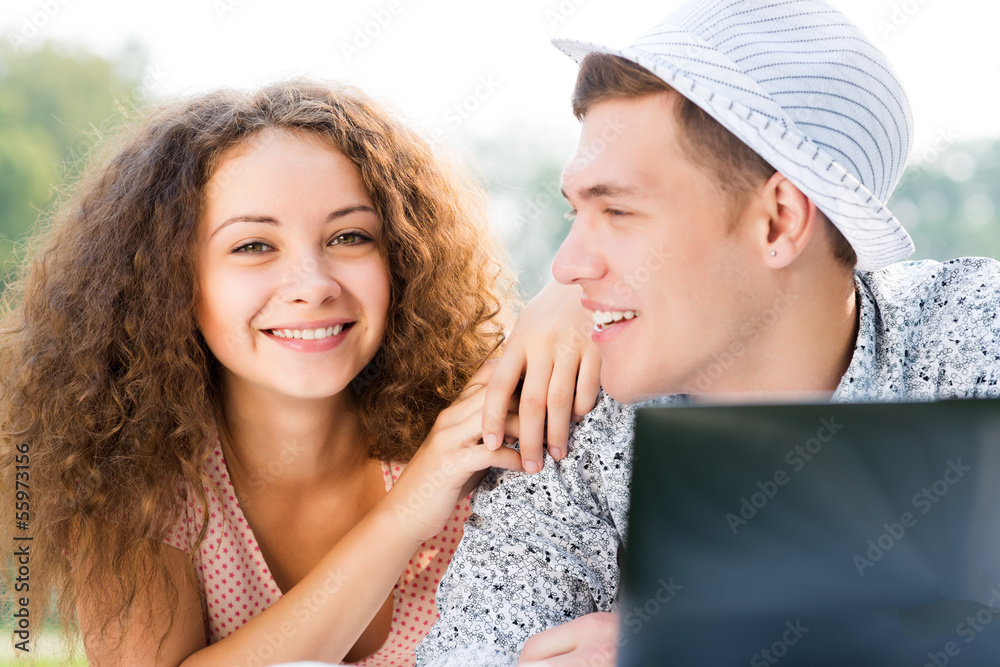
<point>619,172</point>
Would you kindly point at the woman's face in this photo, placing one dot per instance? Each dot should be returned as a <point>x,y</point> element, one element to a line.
<point>293,291</point>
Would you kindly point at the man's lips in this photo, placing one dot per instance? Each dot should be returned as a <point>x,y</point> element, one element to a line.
<point>607,315</point>
<point>604,319</point>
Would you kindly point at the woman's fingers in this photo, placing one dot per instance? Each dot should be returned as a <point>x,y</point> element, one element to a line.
<point>481,458</point>
<point>531,409</point>
<point>588,383</point>
<point>472,460</point>
<point>468,433</point>
<point>500,388</point>
<point>560,403</point>
<point>473,403</point>
<point>480,378</point>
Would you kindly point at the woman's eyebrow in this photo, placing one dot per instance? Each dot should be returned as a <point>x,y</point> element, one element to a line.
<point>347,210</point>
<point>268,220</point>
<point>246,218</point>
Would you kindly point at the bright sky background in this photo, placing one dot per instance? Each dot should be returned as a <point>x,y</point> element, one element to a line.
<point>432,55</point>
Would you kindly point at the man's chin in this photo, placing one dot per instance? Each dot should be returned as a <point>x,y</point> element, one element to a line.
<point>624,391</point>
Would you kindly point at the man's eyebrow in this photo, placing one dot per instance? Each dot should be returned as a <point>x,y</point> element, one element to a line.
<point>268,220</point>
<point>603,190</point>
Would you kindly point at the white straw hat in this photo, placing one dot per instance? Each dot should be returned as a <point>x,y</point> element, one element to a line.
<point>804,88</point>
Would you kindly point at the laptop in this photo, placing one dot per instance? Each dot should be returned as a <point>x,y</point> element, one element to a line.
<point>826,534</point>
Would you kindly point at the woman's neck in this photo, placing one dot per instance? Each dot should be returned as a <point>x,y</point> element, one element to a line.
<point>290,443</point>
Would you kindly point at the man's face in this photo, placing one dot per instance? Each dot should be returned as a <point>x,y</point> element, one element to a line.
<point>652,239</point>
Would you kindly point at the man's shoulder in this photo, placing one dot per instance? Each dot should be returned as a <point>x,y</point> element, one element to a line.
<point>937,326</point>
<point>905,282</point>
<point>607,429</point>
<point>964,291</point>
<point>600,445</point>
<point>609,424</point>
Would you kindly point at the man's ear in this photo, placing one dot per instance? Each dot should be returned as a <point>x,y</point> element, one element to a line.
<point>791,221</point>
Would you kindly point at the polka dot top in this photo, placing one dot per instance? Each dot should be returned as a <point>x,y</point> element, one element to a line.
<point>236,584</point>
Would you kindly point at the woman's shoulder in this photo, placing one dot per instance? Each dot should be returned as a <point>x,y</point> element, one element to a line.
<point>189,515</point>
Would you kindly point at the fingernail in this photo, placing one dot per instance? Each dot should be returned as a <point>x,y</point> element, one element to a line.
<point>491,441</point>
<point>556,453</point>
<point>531,466</point>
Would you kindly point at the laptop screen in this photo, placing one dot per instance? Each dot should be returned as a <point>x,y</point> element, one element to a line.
<point>822,534</point>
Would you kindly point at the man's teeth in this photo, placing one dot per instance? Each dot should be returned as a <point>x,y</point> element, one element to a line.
<point>605,318</point>
<point>308,334</point>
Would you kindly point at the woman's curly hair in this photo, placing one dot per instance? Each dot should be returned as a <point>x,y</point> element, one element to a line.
<point>106,381</point>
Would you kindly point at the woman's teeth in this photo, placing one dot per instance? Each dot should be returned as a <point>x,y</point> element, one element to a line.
<point>308,334</point>
<point>604,319</point>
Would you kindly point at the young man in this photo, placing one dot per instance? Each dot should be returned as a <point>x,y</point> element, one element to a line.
<point>732,239</point>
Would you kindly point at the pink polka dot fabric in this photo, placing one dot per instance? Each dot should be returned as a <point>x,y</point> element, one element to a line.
<point>237,585</point>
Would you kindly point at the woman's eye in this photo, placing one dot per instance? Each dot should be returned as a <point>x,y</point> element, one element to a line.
<point>252,247</point>
<point>350,238</point>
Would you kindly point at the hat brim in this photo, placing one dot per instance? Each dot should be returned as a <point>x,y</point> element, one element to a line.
<point>869,226</point>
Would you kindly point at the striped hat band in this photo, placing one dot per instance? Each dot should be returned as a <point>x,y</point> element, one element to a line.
<point>804,88</point>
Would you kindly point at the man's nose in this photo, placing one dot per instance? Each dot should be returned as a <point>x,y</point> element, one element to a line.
<point>579,257</point>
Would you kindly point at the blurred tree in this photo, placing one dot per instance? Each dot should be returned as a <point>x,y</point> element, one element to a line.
<point>523,174</point>
<point>950,206</point>
<point>55,103</point>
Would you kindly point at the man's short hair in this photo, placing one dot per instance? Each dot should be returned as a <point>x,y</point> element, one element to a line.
<point>736,167</point>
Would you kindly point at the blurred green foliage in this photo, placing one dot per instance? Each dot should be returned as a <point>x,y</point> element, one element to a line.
<point>55,103</point>
<point>951,205</point>
<point>522,175</point>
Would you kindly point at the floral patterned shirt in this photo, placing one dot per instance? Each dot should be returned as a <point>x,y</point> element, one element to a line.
<point>542,549</point>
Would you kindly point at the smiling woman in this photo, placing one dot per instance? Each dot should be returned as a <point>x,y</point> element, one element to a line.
<point>226,348</point>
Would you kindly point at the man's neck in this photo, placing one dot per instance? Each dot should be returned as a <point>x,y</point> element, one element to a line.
<point>806,352</point>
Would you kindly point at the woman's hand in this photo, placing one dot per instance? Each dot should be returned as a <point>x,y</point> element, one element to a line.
<point>451,462</point>
<point>550,347</point>
<point>590,640</point>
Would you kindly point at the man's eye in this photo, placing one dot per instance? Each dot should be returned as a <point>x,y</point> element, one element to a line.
<point>570,215</point>
<point>615,212</point>
<point>252,247</point>
<point>350,238</point>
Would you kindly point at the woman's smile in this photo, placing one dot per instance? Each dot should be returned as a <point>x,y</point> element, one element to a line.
<point>310,339</point>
